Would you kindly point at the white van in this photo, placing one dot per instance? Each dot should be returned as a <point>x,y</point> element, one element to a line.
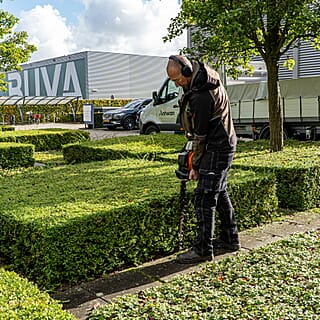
<point>163,113</point>
<point>250,110</point>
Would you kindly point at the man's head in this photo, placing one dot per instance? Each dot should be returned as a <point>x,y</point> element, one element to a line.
<point>179,70</point>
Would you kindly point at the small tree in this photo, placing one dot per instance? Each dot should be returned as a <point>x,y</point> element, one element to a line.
<point>14,48</point>
<point>235,31</point>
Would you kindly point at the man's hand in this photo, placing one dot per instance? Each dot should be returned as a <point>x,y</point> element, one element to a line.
<point>194,175</point>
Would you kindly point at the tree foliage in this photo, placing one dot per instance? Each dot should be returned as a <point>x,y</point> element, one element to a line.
<point>14,48</point>
<point>235,31</point>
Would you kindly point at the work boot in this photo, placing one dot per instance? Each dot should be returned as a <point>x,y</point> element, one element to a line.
<point>192,257</point>
<point>220,246</point>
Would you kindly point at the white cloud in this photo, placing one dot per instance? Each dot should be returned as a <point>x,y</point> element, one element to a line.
<point>48,31</point>
<point>134,26</point>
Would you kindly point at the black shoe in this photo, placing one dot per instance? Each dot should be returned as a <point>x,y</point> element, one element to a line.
<point>192,257</point>
<point>220,246</point>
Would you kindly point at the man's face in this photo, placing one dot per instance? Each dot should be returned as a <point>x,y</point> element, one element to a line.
<point>176,76</point>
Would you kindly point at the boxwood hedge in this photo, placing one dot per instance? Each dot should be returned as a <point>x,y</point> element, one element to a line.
<point>22,300</point>
<point>69,223</point>
<point>14,155</point>
<point>145,146</point>
<point>6,128</point>
<point>297,169</point>
<point>45,139</point>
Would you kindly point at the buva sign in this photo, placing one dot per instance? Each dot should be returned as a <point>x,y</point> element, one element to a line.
<point>62,79</point>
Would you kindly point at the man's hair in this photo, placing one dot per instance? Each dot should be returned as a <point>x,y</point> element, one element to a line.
<point>182,63</point>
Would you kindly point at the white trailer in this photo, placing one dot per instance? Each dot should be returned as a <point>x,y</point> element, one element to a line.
<point>300,107</point>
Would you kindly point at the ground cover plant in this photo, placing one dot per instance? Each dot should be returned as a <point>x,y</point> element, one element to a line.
<point>22,300</point>
<point>297,169</point>
<point>68,223</point>
<point>279,281</point>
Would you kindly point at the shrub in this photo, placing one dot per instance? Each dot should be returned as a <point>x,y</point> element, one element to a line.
<point>45,139</point>
<point>154,147</point>
<point>6,128</point>
<point>69,223</point>
<point>14,155</point>
<point>22,300</point>
<point>297,169</point>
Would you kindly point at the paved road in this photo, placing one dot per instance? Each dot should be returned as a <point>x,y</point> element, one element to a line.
<point>95,134</point>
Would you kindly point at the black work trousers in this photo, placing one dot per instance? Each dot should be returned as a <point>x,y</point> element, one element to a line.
<point>210,196</point>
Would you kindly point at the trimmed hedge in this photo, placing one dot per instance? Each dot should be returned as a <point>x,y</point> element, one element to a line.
<point>45,139</point>
<point>70,223</point>
<point>6,128</point>
<point>22,300</point>
<point>297,169</point>
<point>14,155</point>
<point>154,147</point>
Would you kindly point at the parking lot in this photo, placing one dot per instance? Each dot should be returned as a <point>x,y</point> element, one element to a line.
<point>95,134</point>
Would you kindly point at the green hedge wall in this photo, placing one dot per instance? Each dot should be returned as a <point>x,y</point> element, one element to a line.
<point>297,169</point>
<point>14,155</point>
<point>69,223</point>
<point>22,300</point>
<point>156,147</point>
<point>6,128</point>
<point>45,139</point>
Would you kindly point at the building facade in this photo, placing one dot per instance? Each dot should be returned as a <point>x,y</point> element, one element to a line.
<point>89,75</point>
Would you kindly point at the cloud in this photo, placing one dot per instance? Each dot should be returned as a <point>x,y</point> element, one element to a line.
<point>48,31</point>
<point>134,26</point>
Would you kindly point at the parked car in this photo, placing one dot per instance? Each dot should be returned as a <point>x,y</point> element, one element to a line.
<point>126,116</point>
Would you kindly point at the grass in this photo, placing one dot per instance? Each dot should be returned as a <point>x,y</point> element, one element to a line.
<point>279,281</point>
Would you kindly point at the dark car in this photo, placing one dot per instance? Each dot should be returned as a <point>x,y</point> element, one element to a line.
<point>126,116</point>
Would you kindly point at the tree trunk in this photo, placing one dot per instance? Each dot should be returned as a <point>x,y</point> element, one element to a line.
<point>275,110</point>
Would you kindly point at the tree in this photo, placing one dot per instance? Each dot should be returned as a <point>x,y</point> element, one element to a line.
<point>14,48</point>
<point>235,31</point>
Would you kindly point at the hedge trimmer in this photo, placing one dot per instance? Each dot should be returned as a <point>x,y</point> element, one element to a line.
<point>185,166</point>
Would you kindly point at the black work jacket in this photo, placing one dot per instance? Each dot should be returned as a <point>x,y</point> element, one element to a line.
<point>206,114</point>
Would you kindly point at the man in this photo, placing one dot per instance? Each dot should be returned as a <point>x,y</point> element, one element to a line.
<point>206,117</point>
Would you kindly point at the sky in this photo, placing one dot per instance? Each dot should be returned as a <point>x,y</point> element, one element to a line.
<point>62,27</point>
